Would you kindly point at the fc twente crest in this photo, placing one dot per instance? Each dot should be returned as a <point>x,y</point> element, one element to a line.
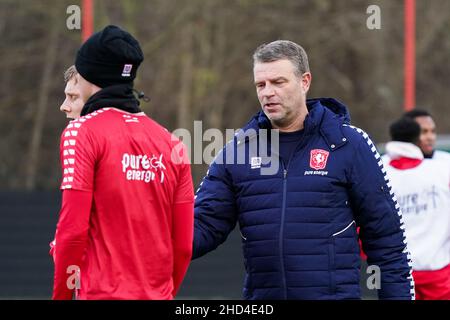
<point>318,159</point>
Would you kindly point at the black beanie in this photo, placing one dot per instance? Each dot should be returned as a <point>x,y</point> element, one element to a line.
<point>109,57</point>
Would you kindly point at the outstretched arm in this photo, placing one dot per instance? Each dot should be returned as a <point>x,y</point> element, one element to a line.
<point>214,211</point>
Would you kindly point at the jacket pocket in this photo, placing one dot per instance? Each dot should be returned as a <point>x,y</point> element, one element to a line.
<point>337,236</point>
<point>344,229</point>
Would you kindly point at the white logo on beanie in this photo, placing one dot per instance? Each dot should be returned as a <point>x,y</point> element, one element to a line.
<point>127,70</point>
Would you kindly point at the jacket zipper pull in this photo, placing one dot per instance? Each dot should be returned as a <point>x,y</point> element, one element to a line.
<point>285,173</point>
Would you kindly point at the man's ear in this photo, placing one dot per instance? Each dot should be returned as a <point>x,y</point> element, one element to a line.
<point>306,81</point>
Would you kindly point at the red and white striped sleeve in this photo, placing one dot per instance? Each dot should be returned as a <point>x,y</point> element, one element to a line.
<point>78,156</point>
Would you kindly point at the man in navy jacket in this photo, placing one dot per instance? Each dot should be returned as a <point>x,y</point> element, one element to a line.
<point>298,223</point>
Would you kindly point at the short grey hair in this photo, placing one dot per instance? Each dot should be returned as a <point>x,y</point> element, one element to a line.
<point>283,49</point>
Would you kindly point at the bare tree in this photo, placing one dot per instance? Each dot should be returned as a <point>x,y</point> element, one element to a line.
<point>42,103</point>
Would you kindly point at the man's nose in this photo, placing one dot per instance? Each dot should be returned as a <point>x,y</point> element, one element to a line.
<point>64,107</point>
<point>268,90</point>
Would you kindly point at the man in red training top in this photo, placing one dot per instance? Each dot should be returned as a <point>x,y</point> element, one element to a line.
<point>126,223</point>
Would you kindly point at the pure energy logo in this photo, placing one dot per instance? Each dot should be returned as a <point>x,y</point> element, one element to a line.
<point>142,167</point>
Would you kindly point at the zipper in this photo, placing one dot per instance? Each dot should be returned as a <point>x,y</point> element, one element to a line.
<point>283,210</point>
<point>281,244</point>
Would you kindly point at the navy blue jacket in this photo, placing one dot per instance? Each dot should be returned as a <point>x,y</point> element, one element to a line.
<point>299,225</point>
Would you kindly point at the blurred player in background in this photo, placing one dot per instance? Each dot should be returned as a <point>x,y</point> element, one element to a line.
<point>421,186</point>
<point>427,142</point>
